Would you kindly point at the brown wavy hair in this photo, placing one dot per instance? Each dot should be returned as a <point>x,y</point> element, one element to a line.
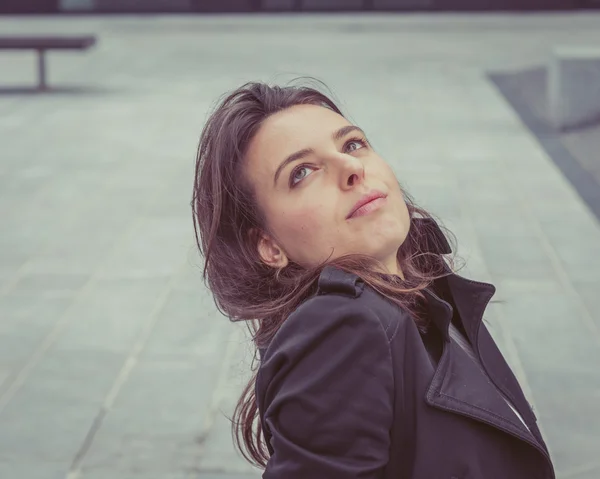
<point>226,215</point>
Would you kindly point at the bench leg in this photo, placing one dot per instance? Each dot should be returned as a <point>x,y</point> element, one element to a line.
<point>42,70</point>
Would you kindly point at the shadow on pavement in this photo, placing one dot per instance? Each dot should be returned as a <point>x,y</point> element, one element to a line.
<point>574,151</point>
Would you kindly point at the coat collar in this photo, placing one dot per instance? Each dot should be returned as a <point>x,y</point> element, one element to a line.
<point>470,299</point>
<point>462,387</point>
<point>459,385</point>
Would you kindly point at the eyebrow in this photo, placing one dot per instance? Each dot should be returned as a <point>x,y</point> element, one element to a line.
<point>336,136</point>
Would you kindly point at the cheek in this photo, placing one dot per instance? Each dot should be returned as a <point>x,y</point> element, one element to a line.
<point>403,215</point>
<point>300,222</point>
<point>305,230</point>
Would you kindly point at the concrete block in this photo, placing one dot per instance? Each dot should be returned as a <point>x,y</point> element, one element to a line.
<point>574,87</point>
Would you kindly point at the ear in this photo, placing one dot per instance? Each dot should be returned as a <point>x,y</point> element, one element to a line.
<point>270,252</point>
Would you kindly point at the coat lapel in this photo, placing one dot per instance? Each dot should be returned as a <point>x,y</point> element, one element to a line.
<point>459,385</point>
<point>471,298</point>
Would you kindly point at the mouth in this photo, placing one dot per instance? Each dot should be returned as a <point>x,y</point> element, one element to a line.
<point>368,203</point>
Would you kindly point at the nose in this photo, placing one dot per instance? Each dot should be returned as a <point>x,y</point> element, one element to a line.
<point>352,172</point>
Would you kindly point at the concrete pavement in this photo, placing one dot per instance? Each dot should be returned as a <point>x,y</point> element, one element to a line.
<point>114,362</point>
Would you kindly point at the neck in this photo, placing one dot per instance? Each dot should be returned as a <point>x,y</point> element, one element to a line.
<point>393,267</point>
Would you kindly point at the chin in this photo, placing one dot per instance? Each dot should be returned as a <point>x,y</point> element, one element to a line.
<point>384,246</point>
<point>393,230</point>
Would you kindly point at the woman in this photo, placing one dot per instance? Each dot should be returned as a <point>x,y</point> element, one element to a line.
<point>374,360</point>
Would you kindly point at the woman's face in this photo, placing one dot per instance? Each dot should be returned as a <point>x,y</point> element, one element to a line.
<point>309,167</point>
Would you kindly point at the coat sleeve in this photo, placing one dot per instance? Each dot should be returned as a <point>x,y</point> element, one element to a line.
<point>328,393</point>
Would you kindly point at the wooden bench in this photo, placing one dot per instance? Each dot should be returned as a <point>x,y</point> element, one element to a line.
<point>43,43</point>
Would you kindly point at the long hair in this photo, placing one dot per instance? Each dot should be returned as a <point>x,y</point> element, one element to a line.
<point>225,216</point>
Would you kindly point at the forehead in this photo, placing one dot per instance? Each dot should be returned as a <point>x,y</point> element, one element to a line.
<point>301,120</point>
<point>290,130</point>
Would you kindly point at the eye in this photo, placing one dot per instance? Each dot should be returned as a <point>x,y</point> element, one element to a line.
<point>299,173</point>
<point>354,144</point>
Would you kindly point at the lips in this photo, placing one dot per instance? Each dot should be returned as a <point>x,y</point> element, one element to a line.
<point>365,200</point>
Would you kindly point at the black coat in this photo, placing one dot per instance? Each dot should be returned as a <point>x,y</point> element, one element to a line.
<point>350,388</point>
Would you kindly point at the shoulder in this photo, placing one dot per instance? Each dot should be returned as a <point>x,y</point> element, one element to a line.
<point>343,303</point>
<point>331,352</point>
